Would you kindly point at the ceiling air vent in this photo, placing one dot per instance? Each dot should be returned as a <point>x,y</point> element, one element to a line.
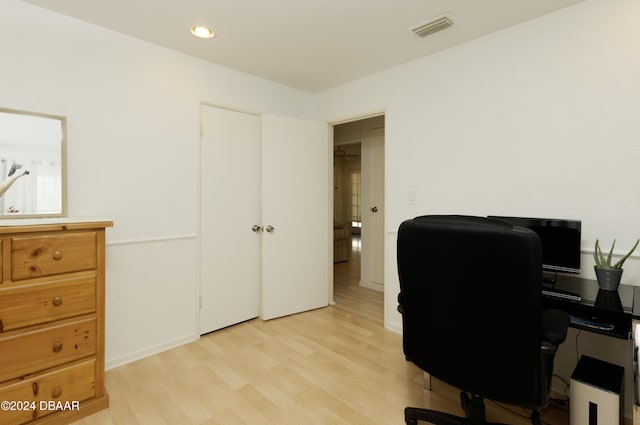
<point>438,24</point>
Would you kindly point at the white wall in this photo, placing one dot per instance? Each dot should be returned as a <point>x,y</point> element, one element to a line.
<point>132,110</point>
<point>540,119</point>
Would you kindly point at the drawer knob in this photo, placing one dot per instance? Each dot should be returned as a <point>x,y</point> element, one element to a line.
<point>57,347</point>
<point>57,392</point>
<point>57,301</point>
<point>57,255</point>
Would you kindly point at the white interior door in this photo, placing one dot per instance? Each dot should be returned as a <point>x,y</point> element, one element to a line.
<point>372,259</point>
<point>296,190</point>
<point>376,146</point>
<point>230,205</point>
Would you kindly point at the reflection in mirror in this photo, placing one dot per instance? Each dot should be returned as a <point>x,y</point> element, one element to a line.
<point>32,164</point>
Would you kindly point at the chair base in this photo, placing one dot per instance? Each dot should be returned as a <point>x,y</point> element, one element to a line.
<point>473,407</point>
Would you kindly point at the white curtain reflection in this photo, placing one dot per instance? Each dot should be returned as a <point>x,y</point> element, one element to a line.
<point>38,192</point>
<point>33,143</point>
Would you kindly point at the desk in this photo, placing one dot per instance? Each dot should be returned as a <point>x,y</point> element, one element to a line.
<point>621,309</point>
<point>616,308</point>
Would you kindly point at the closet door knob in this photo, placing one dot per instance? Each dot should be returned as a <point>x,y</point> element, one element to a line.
<point>270,229</point>
<point>256,228</point>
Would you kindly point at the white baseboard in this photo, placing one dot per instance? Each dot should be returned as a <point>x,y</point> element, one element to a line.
<point>394,327</point>
<point>149,351</point>
<point>372,285</point>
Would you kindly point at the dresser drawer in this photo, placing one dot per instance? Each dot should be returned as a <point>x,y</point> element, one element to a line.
<point>42,347</point>
<point>28,305</point>
<point>54,254</point>
<point>72,383</point>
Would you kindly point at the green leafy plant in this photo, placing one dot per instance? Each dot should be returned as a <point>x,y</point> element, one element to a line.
<point>605,262</point>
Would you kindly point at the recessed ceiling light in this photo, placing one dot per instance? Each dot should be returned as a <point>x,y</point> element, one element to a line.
<point>202,32</point>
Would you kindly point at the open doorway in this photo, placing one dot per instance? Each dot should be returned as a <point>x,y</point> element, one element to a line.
<point>359,217</point>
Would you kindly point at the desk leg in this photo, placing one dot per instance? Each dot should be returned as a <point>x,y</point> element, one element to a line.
<point>427,381</point>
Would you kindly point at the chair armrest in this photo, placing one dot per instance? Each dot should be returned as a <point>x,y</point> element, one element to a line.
<point>554,326</point>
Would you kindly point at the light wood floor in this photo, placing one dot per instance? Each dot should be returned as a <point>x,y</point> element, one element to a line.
<point>335,365</point>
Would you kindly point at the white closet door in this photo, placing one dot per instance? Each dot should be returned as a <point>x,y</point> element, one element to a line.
<point>295,165</point>
<point>230,205</point>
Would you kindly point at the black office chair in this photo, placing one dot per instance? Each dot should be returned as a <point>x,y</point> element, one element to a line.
<point>470,298</point>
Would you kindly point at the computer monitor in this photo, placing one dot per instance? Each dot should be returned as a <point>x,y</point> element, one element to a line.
<point>559,240</point>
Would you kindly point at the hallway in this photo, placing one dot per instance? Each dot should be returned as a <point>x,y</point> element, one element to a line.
<point>349,296</point>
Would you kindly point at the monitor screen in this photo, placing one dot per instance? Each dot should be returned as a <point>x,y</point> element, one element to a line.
<point>559,239</point>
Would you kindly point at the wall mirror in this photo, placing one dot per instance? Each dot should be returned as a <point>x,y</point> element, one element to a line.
<point>32,164</point>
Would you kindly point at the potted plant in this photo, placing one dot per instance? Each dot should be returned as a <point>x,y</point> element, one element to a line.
<point>609,276</point>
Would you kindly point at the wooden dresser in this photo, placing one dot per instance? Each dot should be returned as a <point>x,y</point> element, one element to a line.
<point>52,279</point>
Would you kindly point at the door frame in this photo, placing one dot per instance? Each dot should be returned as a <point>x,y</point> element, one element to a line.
<point>384,248</point>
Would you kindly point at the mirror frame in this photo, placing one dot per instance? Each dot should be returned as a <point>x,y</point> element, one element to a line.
<point>63,166</point>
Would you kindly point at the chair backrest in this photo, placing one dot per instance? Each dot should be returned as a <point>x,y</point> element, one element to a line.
<point>470,293</point>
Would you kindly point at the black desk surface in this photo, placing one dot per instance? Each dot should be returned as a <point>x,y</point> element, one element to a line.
<point>615,307</point>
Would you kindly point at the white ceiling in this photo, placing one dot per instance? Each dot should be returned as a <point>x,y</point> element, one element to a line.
<point>311,45</point>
